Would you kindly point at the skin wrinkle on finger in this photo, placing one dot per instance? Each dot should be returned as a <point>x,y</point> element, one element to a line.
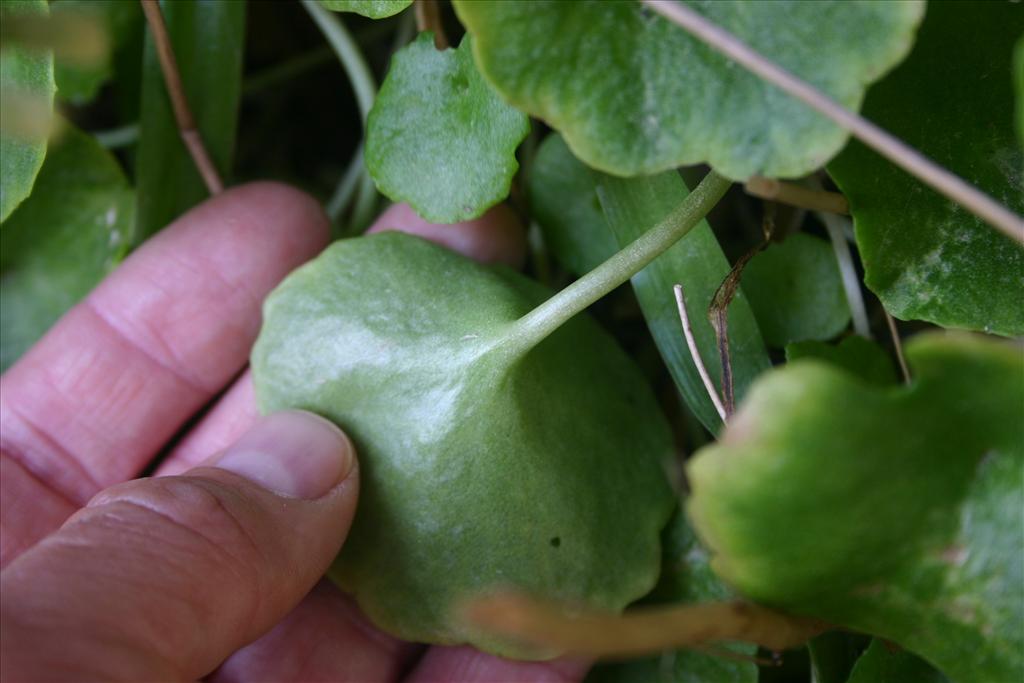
<point>198,566</point>
<point>115,378</point>
<point>20,508</point>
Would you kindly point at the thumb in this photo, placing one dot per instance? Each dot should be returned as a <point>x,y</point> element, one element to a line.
<point>162,579</point>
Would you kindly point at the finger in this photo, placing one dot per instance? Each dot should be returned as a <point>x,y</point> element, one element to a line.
<point>495,237</point>
<point>162,579</point>
<point>466,665</point>
<point>92,402</point>
<point>325,638</point>
<point>233,415</point>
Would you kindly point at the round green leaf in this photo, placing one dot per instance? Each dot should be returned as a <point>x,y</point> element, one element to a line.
<point>27,87</point>
<point>634,94</point>
<point>374,9</point>
<point>796,291</point>
<point>896,512</point>
<point>483,464</point>
<point>925,257</point>
<point>62,240</point>
<point>439,138</point>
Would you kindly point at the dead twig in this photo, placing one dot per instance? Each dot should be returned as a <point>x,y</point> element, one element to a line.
<point>795,195</point>
<point>428,18</point>
<point>179,102</point>
<point>892,148</point>
<point>640,631</point>
<point>702,370</point>
<point>897,344</point>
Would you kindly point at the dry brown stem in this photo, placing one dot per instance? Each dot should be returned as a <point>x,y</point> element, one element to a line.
<point>428,18</point>
<point>795,195</point>
<point>179,102</point>
<point>641,631</point>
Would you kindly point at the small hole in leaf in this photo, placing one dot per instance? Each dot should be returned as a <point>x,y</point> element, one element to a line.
<point>555,542</point>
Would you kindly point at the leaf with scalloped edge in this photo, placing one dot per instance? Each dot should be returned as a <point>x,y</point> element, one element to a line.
<point>634,94</point>
<point>26,98</point>
<point>374,9</point>
<point>62,240</point>
<point>895,511</point>
<point>439,137</point>
<point>925,257</point>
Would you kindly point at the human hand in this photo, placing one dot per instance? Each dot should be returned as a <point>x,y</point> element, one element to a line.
<point>210,568</point>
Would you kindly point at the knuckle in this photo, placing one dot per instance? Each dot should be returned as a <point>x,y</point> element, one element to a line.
<point>191,515</point>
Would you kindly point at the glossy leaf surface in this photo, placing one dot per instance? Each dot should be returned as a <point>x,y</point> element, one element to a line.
<point>796,292</point>
<point>208,40</point>
<point>484,462</point>
<point>79,83</point>
<point>892,511</point>
<point>686,577</point>
<point>26,84</point>
<point>925,257</point>
<point>634,94</point>
<point>858,356</point>
<point>374,9</point>
<point>882,664</point>
<point>62,240</point>
<point>439,137</point>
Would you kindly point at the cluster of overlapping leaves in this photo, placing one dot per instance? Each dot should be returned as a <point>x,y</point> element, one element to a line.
<point>835,491</point>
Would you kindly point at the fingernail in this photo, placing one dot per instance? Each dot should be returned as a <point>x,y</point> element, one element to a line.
<point>294,453</point>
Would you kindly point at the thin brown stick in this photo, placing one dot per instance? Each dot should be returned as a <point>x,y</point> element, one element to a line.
<point>901,154</point>
<point>641,631</point>
<point>795,195</point>
<point>691,343</point>
<point>897,344</point>
<point>428,18</point>
<point>179,102</point>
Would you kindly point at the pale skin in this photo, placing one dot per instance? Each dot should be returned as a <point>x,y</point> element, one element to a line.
<point>207,570</point>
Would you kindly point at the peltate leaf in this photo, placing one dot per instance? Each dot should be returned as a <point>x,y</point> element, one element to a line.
<point>27,87</point>
<point>882,664</point>
<point>796,291</point>
<point>634,94</point>
<point>62,240</point>
<point>374,9</point>
<point>925,257</point>
<point>79,83</point>
<point>857,355</point>
<point>439,138</point>
<point>892,511</point>
<point>208,40</point>
<point>686,577</point>
<point>485,461</point>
